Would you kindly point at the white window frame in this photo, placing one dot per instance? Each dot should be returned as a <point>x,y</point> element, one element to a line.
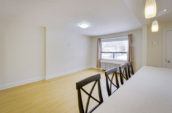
<point>113,39</point>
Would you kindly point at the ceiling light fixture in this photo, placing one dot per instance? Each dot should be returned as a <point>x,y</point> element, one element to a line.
<point>84,25</point>
<point>165,10</point>
<point>150,9</point>
<point>155,26</point>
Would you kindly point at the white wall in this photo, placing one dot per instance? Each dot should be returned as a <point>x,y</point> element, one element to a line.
<point>67,52</point>
<point>137,44</point>
<point>155,45</point>
<point>22,60</point>
<point>21,50</point>
<point>1,55</point>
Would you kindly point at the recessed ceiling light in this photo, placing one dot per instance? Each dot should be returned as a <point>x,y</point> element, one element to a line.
<point>162,12</point>
<point>84,25</point>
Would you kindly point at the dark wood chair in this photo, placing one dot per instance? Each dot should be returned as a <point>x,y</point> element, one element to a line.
<point>123,70</point>
<point>112,83</point>
<point>130,69</point>
<point>79,86</point>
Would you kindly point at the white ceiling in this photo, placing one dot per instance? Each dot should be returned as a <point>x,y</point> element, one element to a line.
<point>137,7</point>
<point>165,4</point>
<point>106,16</point>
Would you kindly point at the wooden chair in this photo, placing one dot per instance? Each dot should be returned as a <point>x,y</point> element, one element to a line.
<point>123,70</point>
<point>130,69</point>
<point>79,86</point>
<point>112,83</point>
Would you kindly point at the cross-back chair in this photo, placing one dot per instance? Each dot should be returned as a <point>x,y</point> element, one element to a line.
<point>130,69</point>
<point>112,83</point>
<point>124,75</point>
<point>79,86</point>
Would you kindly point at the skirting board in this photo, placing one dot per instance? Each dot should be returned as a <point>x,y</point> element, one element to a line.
<point>19,83</point>
<point>66,73</point>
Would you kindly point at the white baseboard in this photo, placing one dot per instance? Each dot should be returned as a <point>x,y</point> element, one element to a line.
<point>18,83</point>
<point>64,74</point>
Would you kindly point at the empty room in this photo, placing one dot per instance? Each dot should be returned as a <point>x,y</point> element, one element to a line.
<point>85,56</point>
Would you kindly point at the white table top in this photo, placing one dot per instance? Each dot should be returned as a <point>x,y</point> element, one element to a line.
<point>148,91</point>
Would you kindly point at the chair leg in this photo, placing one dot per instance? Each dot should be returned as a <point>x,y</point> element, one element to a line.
<point>121,79</point>
<point>117,82</point>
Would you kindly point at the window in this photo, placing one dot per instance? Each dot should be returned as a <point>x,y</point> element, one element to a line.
<point>114,49</point>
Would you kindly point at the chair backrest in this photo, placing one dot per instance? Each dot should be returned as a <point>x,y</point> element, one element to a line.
<point>123,70</point>
<point>130,69</point>
<point>79,86</point>
<point>112,83</point>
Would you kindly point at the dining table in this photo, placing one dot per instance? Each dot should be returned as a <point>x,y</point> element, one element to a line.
<point>149,90</point>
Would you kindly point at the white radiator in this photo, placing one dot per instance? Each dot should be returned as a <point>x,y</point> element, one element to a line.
<point>108,65</point>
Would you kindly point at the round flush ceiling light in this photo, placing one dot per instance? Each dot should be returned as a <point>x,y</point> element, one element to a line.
<point>165,10</point>
<point>155,26</point>
<point>150,9</point>
<point>84,25</point>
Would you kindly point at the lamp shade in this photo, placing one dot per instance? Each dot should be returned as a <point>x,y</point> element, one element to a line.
<point>155,26</point>
<point>150,9</point>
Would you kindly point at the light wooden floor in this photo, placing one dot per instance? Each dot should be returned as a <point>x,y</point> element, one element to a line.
<point>58,95</point>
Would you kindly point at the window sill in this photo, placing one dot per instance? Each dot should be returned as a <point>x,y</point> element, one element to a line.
<point>113,61</point>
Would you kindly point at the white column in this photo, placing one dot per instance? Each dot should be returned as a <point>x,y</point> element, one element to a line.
<point>44,30</point>
<point>144,45</point>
